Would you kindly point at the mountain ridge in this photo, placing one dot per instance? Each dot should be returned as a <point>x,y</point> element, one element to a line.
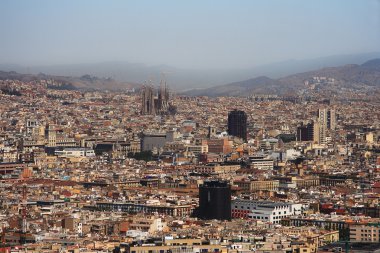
<point>181,79</point>
<point>367,73</point>
<point>85,82</point>
<point>348,75</point>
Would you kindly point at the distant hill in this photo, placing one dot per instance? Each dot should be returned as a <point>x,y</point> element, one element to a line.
<point>260,84</point>
<point>85,82</point>
<point>185,79</point>
<point>375,63</point>
<point>367,73</point>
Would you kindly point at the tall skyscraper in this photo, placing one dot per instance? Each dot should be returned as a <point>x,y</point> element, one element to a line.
<point>326,122</point>
<point>237,124</point>
<point>327,117</point>
<point>321,127</point>
<point>319,135</point>
<point>331,119</point>
<point>215,200</point>
<point>305,132</point>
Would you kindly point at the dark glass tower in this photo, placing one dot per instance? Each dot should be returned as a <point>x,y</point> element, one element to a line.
<point>215,200</point>
<point>305,132</point>
<point>237,124</point>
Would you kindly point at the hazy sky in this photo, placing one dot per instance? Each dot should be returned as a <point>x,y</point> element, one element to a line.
<point>196,34</point>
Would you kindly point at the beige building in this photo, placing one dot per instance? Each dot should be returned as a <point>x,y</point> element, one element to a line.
<point>307,182</point>
<point>369,232</point>
<point>259,185</point>
<point>180,245</point>
<point>308,242</point>
<point>216,168</point>
<point>196,149</point>
<point>269,185</point>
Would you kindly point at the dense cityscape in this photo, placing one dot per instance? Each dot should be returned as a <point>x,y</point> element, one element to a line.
<point>218,126</point>
<point>149,171</point>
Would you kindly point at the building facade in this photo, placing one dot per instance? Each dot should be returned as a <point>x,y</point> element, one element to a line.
<point>264,210</point>
<point>237,124</point>
<point>215,200</point>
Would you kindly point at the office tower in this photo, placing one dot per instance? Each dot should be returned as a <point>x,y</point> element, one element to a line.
<point>318,134</point>
<point>331,119</point>
<point>215,200</point>
<point>326,121</point>
<point>322,125</point>
<point>327,117</point>
<point>314,131</point>
<point>305,132</point>
<point>237,124</point>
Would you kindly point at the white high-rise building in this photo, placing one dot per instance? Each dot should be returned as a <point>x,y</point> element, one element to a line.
<point>322,126</point>
<point>326,122</point>
<point>327,117</point>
